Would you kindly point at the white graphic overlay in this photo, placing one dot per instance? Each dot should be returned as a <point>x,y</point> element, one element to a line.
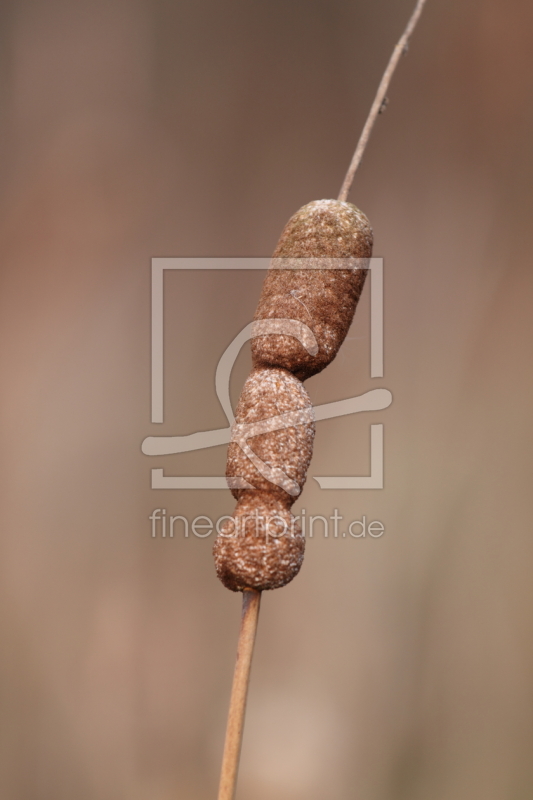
<point>374,400</point>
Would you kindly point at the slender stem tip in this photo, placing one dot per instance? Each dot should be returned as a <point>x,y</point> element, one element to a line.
<point>380,101</point>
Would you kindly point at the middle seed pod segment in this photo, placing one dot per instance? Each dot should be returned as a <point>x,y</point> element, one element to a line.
<point>274,461</point>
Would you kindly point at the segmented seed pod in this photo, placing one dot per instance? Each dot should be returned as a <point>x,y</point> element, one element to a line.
<point>310,297</point>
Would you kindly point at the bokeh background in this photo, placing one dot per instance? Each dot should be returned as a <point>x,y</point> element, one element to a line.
<point>391,668</point>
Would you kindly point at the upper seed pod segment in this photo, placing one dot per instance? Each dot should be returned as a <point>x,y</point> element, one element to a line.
<point>308,282</point>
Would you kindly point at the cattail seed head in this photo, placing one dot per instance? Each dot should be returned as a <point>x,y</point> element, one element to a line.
<point>309,305</point>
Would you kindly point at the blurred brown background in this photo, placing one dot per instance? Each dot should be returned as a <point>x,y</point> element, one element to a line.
<point>390,669</point>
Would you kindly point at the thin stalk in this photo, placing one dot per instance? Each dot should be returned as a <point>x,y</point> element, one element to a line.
<point>379,100</point>
<point>251,601</point>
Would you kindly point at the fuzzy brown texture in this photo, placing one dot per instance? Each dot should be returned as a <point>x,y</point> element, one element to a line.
<point>276,396</point>
<point>324,299</point>
<point>260,547</point>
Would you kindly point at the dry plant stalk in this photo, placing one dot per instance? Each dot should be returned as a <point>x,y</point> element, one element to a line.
<point>306,307</point>
<point>251,600</point>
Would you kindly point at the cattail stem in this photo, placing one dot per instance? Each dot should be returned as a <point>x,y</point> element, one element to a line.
<point>379,100</point>
<point>251,600</point>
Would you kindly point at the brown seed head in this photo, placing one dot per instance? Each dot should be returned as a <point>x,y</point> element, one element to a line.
<point>262,546</point>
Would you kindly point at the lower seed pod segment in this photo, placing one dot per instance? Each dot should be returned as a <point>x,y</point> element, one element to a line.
<point>260,547</point>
